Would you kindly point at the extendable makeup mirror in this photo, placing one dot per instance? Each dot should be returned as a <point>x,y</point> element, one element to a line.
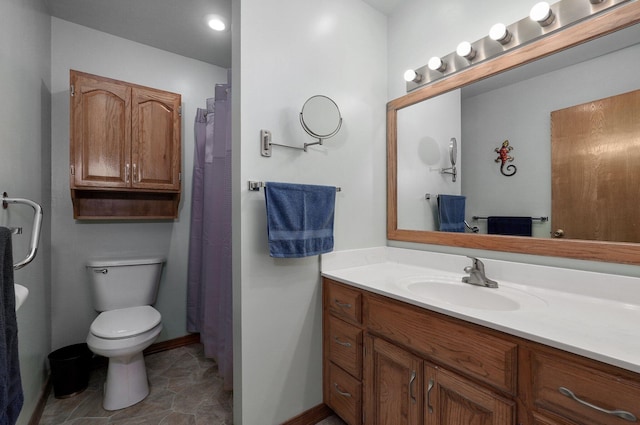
<point>320,117</point>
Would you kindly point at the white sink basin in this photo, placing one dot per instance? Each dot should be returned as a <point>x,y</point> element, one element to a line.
<point>21,295</point>
<point>454,292</point>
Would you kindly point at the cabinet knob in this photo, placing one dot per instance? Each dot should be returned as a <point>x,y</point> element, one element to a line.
<point>558,233</point>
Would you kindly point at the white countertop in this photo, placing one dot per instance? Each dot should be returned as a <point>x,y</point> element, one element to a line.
<point>595,315</point>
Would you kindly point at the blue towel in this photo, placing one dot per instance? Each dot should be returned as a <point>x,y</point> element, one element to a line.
<point>299,219</point>
<point>451,213</point>
<point>513,226</point>
<point>11,397</point>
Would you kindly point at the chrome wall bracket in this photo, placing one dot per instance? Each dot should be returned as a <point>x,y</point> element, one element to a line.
<point>266,144</point>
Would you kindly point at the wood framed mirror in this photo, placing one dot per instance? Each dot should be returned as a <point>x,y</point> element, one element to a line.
<point>608,22</point>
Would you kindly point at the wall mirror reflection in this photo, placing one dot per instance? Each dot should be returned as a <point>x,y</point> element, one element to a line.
<point>588,192</point>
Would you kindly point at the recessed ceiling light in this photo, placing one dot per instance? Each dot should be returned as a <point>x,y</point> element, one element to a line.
<point>216,23</point>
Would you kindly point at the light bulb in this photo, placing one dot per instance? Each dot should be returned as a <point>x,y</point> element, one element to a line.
<point>412,76</point>
<point>542,13</point>
<point>466,50</point>
<point>216,23</point>
<point>500,33</point>
<point>436,64</point>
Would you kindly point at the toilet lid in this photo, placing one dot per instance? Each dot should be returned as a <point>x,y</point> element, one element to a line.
<point>125,322</point>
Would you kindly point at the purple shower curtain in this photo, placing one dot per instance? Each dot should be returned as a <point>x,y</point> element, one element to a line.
<point>209,274</point>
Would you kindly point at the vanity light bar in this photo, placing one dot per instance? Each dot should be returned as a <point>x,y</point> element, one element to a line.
<point>560,15</point>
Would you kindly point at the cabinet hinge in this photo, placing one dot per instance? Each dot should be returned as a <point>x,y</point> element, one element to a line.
<point>180,110</point>
<point>72,90</point>
<point>73,170</point>
<point>179,177</point>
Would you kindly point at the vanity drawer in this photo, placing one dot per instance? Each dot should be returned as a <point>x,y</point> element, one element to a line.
<point>590,384</point>
<point>343,301</point>
<point>344,344</point>
<point>460,346</point>
<point>345,395</point>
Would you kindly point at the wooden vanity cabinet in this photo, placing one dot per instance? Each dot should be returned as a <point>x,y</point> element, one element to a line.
<point>452,399</point>
<point>342,351</point>
<point>125,149</point>
<point>393,384</point>
<point>409,365</point>
<point>400,385</point>
<point>569,389</point>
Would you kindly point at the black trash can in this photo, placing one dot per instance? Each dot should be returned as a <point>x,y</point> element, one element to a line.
<point>70,367</point>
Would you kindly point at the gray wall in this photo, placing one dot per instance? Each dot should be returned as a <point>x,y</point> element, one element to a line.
<point>75,242</point>
<point>25,146</point>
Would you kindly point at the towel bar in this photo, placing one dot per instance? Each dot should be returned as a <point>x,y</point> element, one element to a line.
<point>255,186</point>
<point>541,219</point>
<point>37,225</point>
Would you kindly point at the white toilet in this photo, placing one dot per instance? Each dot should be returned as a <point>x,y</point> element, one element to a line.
<point>123,291</point>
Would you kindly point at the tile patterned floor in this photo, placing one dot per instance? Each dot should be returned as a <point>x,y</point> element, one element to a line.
<point>185,390</point>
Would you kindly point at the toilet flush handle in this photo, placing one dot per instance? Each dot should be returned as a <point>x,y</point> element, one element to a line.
<point>103,271</point>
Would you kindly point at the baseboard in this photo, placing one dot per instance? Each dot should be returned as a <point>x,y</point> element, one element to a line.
<point>101,361</point>
<point>173,343</point>
<point>311,416</point>
<point>42,402</point>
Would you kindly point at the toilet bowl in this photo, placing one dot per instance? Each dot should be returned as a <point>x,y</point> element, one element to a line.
<point>124,291</point>
<point>121,335</point>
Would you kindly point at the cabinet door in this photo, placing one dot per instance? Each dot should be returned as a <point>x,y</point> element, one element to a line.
<point>155,136</point>
<point>452,400</point>
<point>100,132</point>
<point>393,385</point>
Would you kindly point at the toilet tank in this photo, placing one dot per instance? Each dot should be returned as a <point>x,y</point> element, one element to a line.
<point>123,283</point>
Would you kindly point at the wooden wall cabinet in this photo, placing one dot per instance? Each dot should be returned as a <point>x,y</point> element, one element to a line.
<point>418,367</point>
<point>125,149</point>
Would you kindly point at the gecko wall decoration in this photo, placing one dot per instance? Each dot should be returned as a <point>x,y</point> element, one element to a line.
<point>504,157</point>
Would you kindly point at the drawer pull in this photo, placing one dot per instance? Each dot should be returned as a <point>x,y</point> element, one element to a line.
<point>429,388</point>
<point>344,344</point>
<point>342,393</point>
<point>411,380</point>
<point>619,413</point>
<point>342,305</point>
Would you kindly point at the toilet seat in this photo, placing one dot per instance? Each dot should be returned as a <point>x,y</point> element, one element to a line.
<point>125,322</point>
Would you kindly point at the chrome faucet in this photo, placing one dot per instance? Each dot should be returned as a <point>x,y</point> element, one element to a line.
<point>477,276</point>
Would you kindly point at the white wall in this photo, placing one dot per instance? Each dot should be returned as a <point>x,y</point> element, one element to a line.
<point>420,29</point>
<point>290,50</point>
<point>74,242</point>
<point>25,172</point>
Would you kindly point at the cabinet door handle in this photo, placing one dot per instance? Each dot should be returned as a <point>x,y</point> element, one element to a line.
<point>429,388</point>
<point>342,305</point>
<point>628,416</point>
<point>126,173</point>
<point>136,178</point>
<point>342,393</point>
<point>344,344</point>
<point>411,381</point>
